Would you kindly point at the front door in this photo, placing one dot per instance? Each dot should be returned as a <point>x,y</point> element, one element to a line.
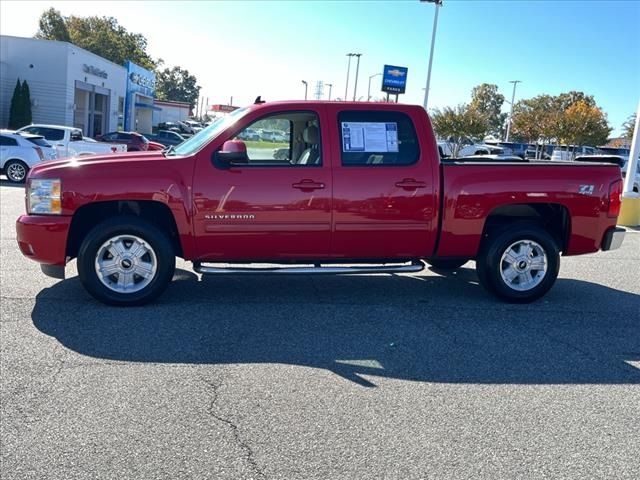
<point>384,185</point>
<point>276,203</point>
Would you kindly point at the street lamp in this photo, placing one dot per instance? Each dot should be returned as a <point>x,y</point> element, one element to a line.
<point>433,42</point>
<point>329,85</point>
<point>513,96</point>
<point>369,89</point>
<point>355,88</point>
<point>346,87</point>
<point>305,88</point>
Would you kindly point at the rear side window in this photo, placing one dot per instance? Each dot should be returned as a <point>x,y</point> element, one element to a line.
<point>375,138</point>
<point>124,136</point>
<point>41,142</point>
<point>8,141</point>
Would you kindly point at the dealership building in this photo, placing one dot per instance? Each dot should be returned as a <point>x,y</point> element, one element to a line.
<point>74,87</point>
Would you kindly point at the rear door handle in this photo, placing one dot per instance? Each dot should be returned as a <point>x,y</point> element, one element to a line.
<point>410,184</point>
<point>307,185</point>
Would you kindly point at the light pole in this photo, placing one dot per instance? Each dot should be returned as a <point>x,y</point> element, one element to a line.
<point>346,87</point>
<point>513,96</point>
<point>433,42</point>
<point>329,85</point>
<point>369,89</point>
<point>305,88</point>
<point>355,88</point>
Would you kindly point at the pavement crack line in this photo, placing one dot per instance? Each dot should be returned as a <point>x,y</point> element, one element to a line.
<point>214,389</point>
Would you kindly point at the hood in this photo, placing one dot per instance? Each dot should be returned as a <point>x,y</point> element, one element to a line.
<point>88,160</point>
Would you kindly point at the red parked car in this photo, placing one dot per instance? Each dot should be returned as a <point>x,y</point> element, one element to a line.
<point>134,141</point>
<point>154,145</point>
<point>361,183</point>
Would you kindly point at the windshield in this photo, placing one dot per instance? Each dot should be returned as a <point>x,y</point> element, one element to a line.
<point>195,143</point>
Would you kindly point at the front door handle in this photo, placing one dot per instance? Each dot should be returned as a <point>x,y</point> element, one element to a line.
<point>410,184</point>
<point>308,185</point>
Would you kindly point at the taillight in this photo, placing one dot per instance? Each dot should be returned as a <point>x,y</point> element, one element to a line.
<point>615,200</point>
<point>40,154</point>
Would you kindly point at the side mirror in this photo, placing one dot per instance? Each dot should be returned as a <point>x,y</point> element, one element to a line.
<point>233,152</point>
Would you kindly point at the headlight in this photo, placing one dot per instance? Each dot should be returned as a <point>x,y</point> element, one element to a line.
<point>44,197</point>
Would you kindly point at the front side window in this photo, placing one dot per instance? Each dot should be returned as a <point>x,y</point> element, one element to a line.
<point>8,142</point>
<point>377,138</point>
<point>289,139</point>
<point>53,134</point>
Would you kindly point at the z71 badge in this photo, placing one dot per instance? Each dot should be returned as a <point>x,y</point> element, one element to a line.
<point>586,190</point>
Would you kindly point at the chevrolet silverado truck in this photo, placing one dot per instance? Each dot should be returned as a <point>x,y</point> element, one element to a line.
<point>69,142</point>
<point>361,190</point>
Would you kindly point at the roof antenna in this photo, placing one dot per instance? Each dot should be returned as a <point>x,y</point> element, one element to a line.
<point>258,100</point>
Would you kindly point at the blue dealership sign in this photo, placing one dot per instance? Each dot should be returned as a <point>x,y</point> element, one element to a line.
<point>140,81</point>
<point>394,79</point>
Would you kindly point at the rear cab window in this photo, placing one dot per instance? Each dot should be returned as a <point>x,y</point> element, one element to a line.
<point>377,138</point>
<point>76,135</point>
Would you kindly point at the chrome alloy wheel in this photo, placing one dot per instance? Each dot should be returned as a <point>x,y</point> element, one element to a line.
<point>16,172</point>
<point>126,264</point>
<point>523,265</point>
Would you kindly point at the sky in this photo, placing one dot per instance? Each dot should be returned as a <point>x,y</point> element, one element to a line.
<point>244,49</point>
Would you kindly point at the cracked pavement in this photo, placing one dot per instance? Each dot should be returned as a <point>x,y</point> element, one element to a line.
<point>377,376</point>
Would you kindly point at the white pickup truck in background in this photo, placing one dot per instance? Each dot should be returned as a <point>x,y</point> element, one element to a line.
<point>69,142</point>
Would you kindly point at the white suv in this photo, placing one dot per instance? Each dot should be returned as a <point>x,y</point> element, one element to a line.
<point>20,152</point>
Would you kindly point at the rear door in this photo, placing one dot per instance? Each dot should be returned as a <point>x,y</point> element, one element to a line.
<point>385,184</point>
<point>277,204</point>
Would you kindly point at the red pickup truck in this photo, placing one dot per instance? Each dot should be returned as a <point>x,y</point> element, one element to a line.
<point>353,188</point>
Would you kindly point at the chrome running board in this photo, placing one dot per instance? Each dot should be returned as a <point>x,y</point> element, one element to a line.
<point>415,266</point>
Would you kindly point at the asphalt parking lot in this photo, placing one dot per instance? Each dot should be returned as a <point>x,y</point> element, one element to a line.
<point>378,376</point>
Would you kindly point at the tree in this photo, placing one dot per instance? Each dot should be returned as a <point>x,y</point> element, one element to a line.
<point>25,94</point>
<point>100,35</point>
<point>178,85</point>
<point>53,26</point>
<point>486,100</point>
<point>584,124</point>
<point>20,108</point>
<point>536,119</point>
<point>628,127</point>
<point>457,125</point>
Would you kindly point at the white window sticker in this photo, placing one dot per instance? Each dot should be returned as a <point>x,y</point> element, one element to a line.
<point>369,137</point>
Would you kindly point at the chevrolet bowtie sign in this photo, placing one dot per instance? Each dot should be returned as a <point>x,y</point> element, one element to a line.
<point>394,79</point>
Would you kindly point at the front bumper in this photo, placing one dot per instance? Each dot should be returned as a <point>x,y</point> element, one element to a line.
<point>613,238</point>
<point>43,238</point>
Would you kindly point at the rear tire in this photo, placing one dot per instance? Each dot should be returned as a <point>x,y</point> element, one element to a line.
<point>126,261</point>
<point>446,264</point>
<point>519,264</point>
<point>16,171</point>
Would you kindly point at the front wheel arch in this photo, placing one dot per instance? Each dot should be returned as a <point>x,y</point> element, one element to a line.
<point>142,258</point>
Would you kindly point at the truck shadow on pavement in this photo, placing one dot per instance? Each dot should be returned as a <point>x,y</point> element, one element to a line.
<point>418,328</point>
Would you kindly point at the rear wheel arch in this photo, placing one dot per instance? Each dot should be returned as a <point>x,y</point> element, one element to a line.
<point>92,214</point>
<point>552,217</point>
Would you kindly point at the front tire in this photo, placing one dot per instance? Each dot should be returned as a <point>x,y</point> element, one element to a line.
<point>125,261</point>
<point>519,264</point>
<point>16,171</point>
